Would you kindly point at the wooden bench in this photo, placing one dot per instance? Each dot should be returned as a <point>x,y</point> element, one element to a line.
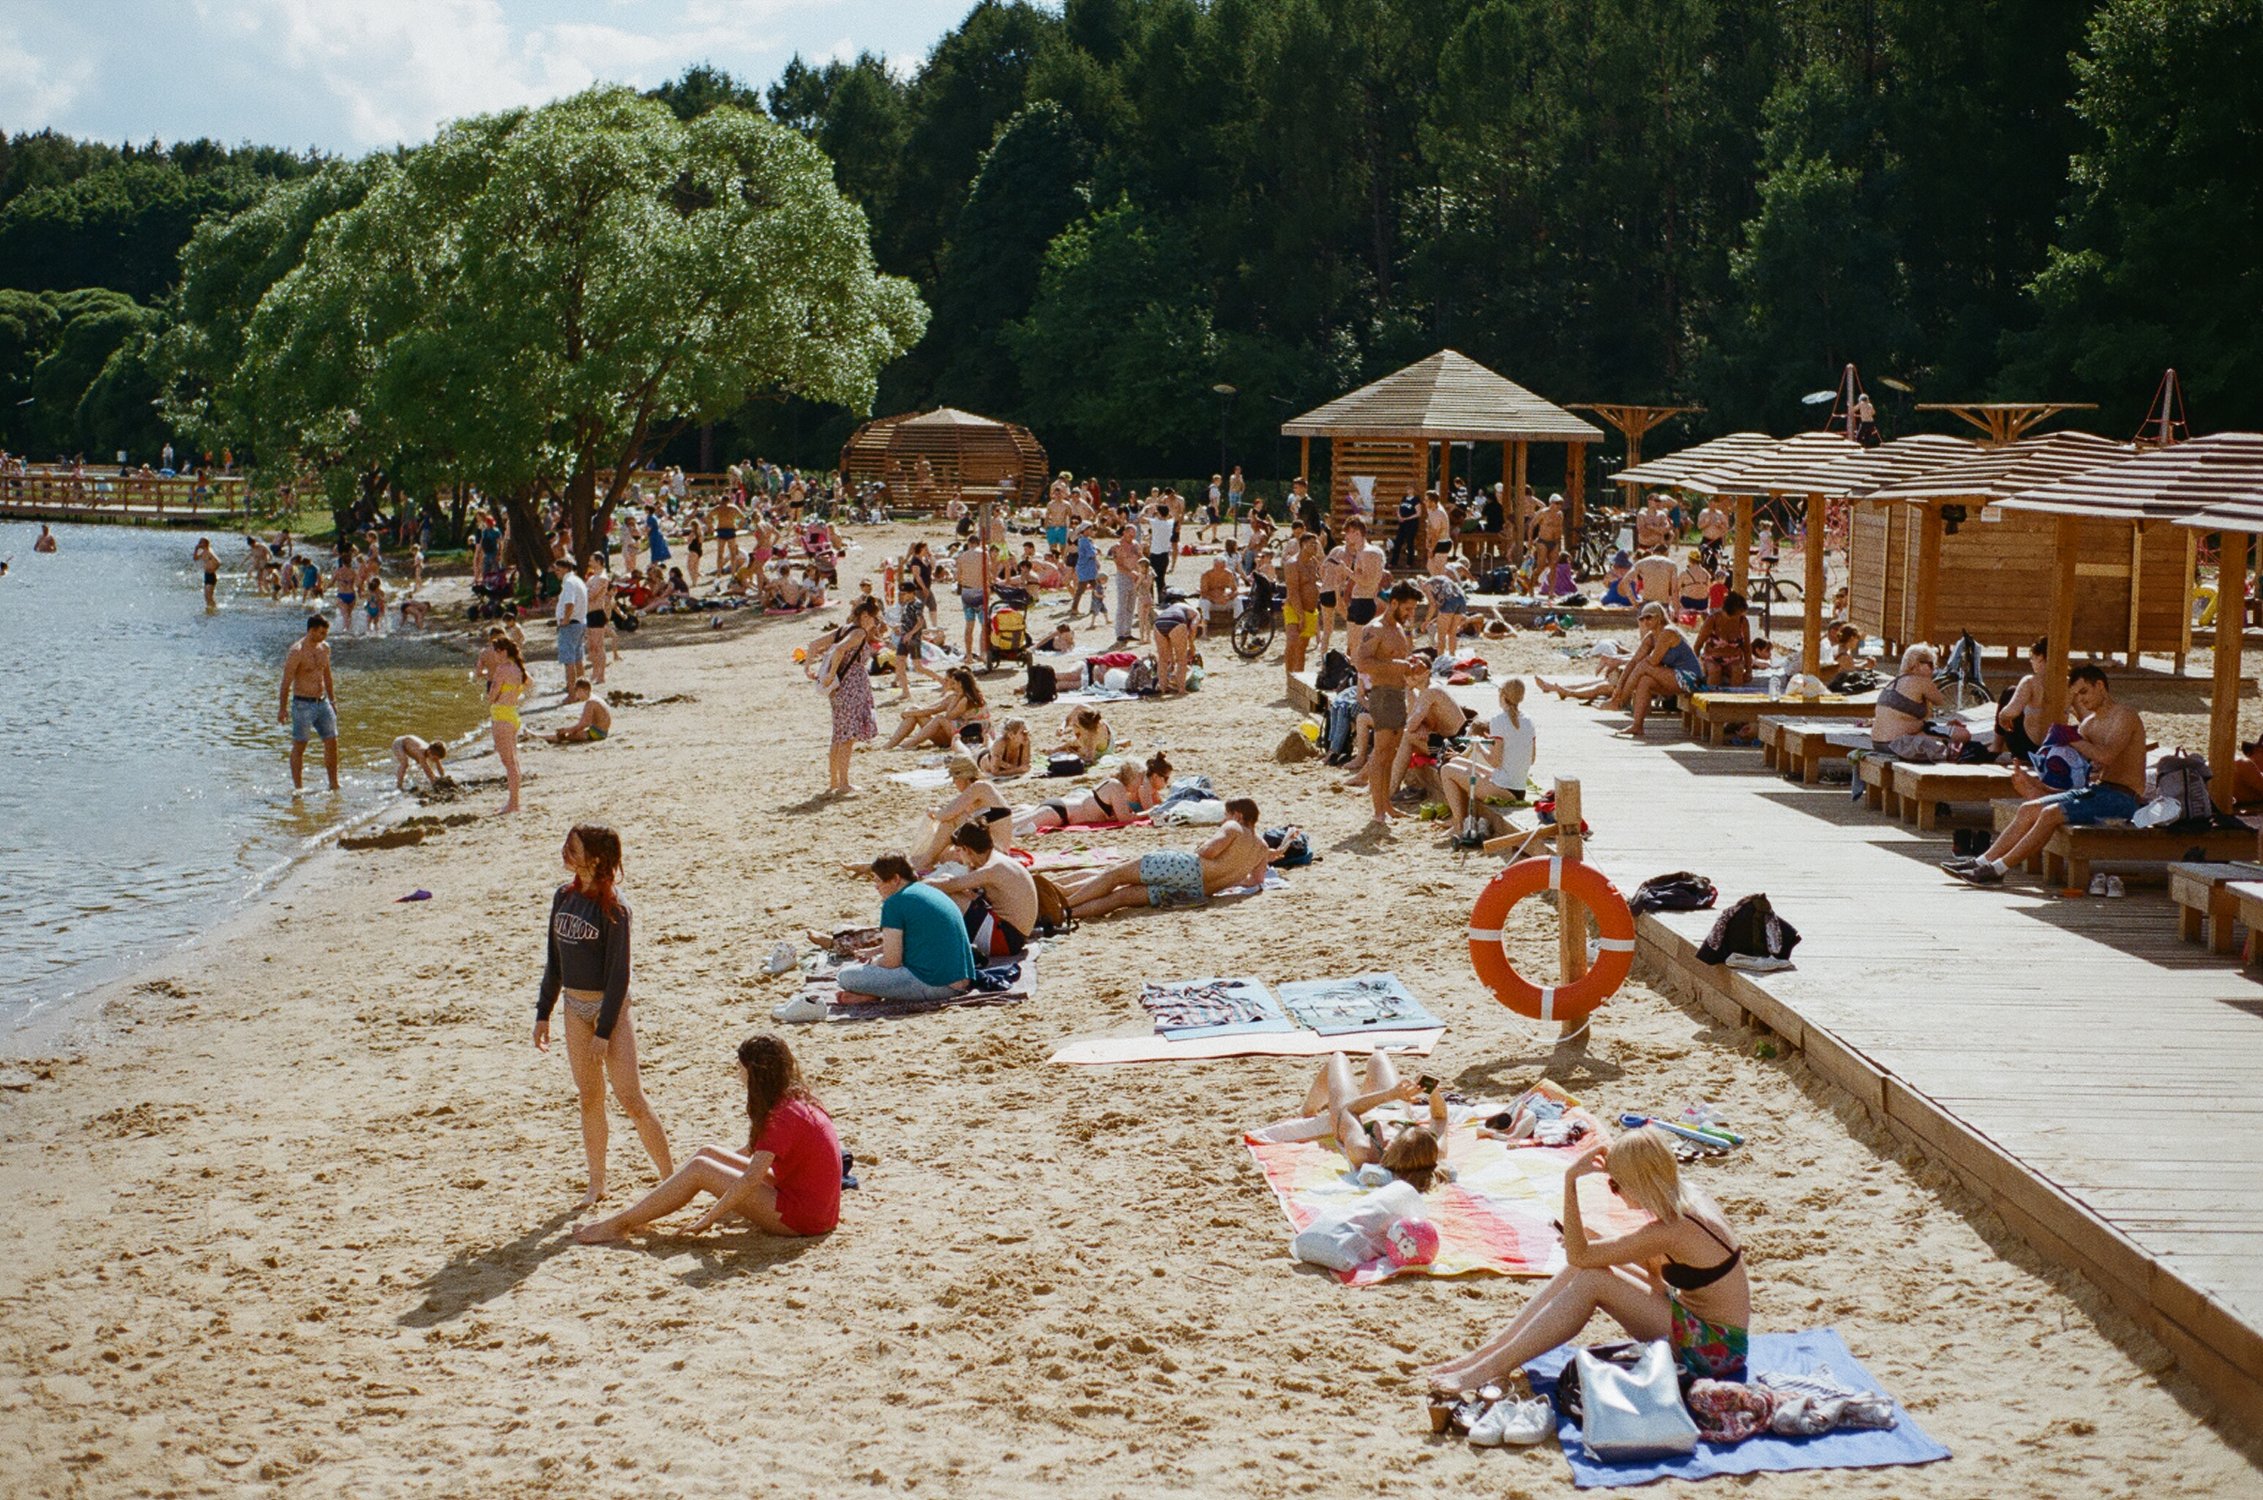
<point>1800,745</point>
<point>1706,715</point>
<point>1876,773</point>
<point>2206,905</point>
<point>1921,791</point>
<point>2247,905</point>
<point>2065,861</point>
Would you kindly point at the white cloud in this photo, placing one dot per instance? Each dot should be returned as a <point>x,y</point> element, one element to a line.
<point>37,88</point>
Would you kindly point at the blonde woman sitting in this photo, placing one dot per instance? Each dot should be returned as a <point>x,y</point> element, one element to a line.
<point>972,800</point>
<point>1503,760</point>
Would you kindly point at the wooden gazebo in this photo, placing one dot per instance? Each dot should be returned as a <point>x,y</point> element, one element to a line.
<point>1383,432</point>
<point>1669,470</point>
<point>928,459</point>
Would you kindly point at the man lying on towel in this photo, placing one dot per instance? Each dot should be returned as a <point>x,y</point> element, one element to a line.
<point>996,894</point>
<point>1235,855</point>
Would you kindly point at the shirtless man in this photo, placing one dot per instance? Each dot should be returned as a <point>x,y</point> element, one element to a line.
<point>1234,856</point>
<point>1652,526</point>
<point>45,541</point>
<point>1366,563</point>
<point>996,894</point>
<point>1547,534</point>
<point>1654,579</point>
<point>1057,517</point>
<point>308,701</point>
<point>1218,586</point>
<point>209,560</point>
<point>1300,611</point>
<point>726,516</point>
<point>1382,653</point>
<point>425,755</point>
<point>970,568</point>
<point>2112,738</point>
<point>2021,722</point>
<point>595,723</point>
<point>1713,533</point>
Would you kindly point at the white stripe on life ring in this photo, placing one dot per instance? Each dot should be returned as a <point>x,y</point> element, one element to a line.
<point>1555,872</point>
<point>1486,935</point>
<point>1547,1002</point>
<point>1615,945</point>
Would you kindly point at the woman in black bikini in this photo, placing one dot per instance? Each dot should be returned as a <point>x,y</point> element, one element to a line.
<point>1119,799</point>
<point>1680,1277</point>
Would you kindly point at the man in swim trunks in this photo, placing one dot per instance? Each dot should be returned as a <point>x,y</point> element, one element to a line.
<point>1547,535</point>
<point>1366,564</point>
<point>726,515</point>
<point>1382,653</point>
<point>1235,856</point>
<point>1300,610</point>
<point>969,568</point>
<point>210,560</point>
<point>308,700</point>
<point>1652,526</point>
<point>1057,516</point>
<point>1713,533</point>
<point>2111,737</point>
<point>996,894</point>
<point>595,723</point>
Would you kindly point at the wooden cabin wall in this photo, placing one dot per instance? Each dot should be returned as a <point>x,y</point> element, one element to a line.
<point>1995,582</point>
<point>1396,466</point>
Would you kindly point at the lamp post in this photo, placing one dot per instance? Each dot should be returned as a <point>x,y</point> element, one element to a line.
<point>1226,394</point>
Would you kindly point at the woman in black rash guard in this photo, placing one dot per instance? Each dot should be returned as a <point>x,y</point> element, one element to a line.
<point>589,963</point>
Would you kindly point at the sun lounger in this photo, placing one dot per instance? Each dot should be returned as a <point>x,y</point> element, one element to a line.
<point>1920,792</point>
<point>2247,899</point>
<point>2207,908</point>
<point>2065,861</point>
<point>1802,745</point>
<point>1706,716</point>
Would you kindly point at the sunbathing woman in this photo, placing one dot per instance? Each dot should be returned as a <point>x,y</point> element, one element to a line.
<point>1680,1277</point>
<point>1119,799</point>
<point>972,798</point>
<point>1008,754</point>
<point>1694,585</point>
<point>1334,1108</point>
<point>1664,667</point>
<point>938,723</point>
<point>786,1182</point>
<point>1085,735</point>
<point>1898,725</point>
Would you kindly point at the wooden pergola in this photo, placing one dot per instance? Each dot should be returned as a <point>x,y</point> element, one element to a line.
<point>2002,422</point>
<point>1632,422</point>
<point>2211,483</point>
<point>1384,432</point>
<point>928,459</point>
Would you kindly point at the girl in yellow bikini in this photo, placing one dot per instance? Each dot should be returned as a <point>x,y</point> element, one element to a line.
<point>506,685</point>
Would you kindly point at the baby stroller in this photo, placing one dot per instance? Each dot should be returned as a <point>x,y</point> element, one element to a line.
<point>489,595</point>
<point>1005,636</point>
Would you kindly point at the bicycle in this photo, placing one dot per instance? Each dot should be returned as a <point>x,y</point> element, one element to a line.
<point>1259,620</point>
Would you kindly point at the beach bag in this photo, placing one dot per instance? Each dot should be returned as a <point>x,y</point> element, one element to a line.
<point>1636,1412</point>
<point>1857,680</point>
<point>1351,1240</point>
<point>1044,684</point>
<point>1296,849</point>
<point>1749,927</point>
<point>1335,672</point>
<point>1497,581</point>
<point>1064,765</point>
<point>2059,765</point>
<point>1680,891</point>
<point>2182,777</point>
<point>1143,678</point>
<point>1052,907</point>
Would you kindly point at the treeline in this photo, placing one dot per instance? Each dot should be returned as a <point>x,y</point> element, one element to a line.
<point>1112,206</point>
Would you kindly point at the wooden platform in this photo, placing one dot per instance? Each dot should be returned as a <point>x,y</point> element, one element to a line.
<point>1706,715</point>
<point>1801,745</point>
<point>2207,908</point>
<point>2065,861</point>
<point>1919,792</point>
<point>2011,1034</point>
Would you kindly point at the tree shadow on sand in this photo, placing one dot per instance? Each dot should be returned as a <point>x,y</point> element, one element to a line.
<point>479,1274</point>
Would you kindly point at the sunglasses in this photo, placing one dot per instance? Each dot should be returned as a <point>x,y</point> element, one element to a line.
<point>1613,1184</point>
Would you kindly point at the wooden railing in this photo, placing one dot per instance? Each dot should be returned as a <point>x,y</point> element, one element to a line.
<point>60,495</point>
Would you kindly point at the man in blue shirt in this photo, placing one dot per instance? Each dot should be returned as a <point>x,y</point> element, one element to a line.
<point>1087,573</point>
<point>924,953</point>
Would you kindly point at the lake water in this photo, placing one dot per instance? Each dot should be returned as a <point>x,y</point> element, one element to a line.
<point>147,790</point>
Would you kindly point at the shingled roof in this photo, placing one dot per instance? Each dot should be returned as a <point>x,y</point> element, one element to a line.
<point>1445,397</point>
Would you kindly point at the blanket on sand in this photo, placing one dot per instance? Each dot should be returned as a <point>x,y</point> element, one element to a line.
<point>1497,1215</point>
<point>820,999</point>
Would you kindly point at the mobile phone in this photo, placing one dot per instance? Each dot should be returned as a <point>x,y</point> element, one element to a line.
<point>1427,1084</point>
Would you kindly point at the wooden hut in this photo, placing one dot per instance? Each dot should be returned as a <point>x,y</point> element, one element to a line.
<point>1934,556</point>
<point>928,459</point>
<point>1380,435</point>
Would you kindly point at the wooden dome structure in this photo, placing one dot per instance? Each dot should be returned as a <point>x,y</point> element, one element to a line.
<point>928,459</point>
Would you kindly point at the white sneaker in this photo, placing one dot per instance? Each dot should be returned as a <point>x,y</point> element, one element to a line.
<point>2114,886</point>
<point>802,1007</point>
<point>2097,885</point>
<point>1489,1430</point>
<point>1526,1422</point>
<point>782,958</point>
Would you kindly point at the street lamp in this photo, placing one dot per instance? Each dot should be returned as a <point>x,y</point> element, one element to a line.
<point>1226,394</point>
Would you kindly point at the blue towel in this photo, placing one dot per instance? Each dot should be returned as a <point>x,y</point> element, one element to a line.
<point>1784,1353</point>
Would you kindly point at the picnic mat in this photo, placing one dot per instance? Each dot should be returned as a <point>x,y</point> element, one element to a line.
<point>1185,1009</point>
<point>1497,1215</point>
<point>1020,988</point>
<point>1037,833</point>
<point>1785,1353</point>
<point>1089,857</point>
<point>932,778</point>
<point>1104,1051</point>
<point>1363,1002</point>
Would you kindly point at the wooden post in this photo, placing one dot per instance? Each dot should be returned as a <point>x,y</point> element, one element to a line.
<point>2223,695</point>
<point>1811,626</point>
<point>1930,530</point>
<point>2136,588</point>
<point>2067,554</point>
<point>1571,912</point>
<point>1445,476</point>
<point>1575,495</point>
<point>1517,518</point>
<point>1304,461</point>
<point>1740,565</point>
<point>2191,579</point>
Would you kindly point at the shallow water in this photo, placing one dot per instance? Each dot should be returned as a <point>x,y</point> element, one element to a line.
<point>148,790</point>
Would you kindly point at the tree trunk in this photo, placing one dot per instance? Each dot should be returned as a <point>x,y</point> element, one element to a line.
<point>530,539</point>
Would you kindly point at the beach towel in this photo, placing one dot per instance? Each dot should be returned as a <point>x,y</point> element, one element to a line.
<point>1211,1007</point>
<point>1363,1002</point>
<point>926,778</point>
<point>822,990</point>
<point>1105,1051</point>
<point>1772,1353</point>
<point>1085,857</point>
<point>1497,1215</point>
<point>1037,833</point>
<point>1272,880</point>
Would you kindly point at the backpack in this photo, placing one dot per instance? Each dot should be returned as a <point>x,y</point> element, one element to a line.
<point>1296,849</point>
<point>1343,727</point>
<point>1680,891</point>
<point>1335,672</point>
<point>2184,776</point>
<point>1144,678</point>
<point>1857,680</point>
<point>1750,927</point>
<point>1044,684</point>
<point>1497,581</point>
<point>1052,907</point>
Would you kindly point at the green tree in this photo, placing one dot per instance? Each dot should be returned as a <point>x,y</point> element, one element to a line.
<point>93,325</point>
<point>120,226</point>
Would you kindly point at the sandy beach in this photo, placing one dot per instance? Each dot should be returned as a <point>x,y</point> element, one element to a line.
<point>294,1219</point>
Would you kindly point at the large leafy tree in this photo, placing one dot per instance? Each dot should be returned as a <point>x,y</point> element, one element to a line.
<point>540,299</point>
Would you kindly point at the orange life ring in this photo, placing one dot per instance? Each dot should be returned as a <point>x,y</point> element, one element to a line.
<point>1544,1002</point>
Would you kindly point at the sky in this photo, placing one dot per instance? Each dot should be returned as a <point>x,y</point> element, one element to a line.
<point>349,76</point>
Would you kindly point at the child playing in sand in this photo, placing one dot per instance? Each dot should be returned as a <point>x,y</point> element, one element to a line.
<point>425,755</point>
<point>595,723</point>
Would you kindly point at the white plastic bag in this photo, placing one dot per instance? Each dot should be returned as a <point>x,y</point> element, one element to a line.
<point>1352,1239</point>
<point>1118,680</point>
<point>1635,1413</point>
<point>1195,812</point>
<point>2159,813</point>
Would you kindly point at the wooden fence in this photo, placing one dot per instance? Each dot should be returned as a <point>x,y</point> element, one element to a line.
<point>60,495</point>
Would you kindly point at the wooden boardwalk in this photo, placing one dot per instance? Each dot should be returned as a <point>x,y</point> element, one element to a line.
<point>2099,1081</point>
